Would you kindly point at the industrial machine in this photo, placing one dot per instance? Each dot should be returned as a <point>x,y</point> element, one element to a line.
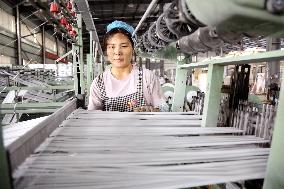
<point>76,148</point>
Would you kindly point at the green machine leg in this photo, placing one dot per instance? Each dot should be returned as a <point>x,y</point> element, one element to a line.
<point>81,62</point>
<point>102,63</point>
<point>90,65</point>
<point>212,96</point>
<point>180,87</point>
<point>275,169</point>
<point>98,69</point>
<point>75,67</point>
<point>78,63</point>
<point>5,179</point>
<point>89,72</point>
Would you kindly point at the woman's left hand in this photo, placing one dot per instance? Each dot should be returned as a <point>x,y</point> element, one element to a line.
<point>146,109</point>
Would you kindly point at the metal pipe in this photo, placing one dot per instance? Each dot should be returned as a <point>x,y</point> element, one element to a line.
<point>83,6</point>
<point>39,25</point>
<point>63,56</point>
<point>273,67</point>
<point>30,34</point>
<point>19,45</point>
<point>30,15</point>
<point>43,45</point>
<point>153,2</point>
<point>57,45</point>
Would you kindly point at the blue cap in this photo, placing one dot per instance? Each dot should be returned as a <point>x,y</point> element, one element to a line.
<point>120,25</point>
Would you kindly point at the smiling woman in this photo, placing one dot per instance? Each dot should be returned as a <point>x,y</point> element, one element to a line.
<point>125,86</point>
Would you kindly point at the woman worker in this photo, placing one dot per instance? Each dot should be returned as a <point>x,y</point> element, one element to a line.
<point>124,86</point>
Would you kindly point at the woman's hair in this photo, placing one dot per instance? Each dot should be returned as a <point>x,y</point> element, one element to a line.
<point>115,31</point>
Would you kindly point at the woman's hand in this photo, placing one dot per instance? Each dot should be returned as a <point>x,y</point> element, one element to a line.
<point>146,109</point>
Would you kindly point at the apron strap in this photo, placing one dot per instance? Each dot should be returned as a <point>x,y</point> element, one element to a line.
<point>140,86</point>
<point>101,86</point>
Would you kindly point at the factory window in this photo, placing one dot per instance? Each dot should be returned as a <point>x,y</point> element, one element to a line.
<point>61,50</point>
<point>38,38</point>
<point>7,21</point>
<point>5,60</point>
<point>31,34</point>
<point>50,45</point>
<point>25,31</point>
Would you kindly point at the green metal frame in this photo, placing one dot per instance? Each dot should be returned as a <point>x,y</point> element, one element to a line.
<point>238,60</point>
<point>180,86</point>
<point>90,64</point>
<point>275,169</point>
<point>29,111</point>
<point>214,81</point>
<point>32,105</point>
<point>78,63</point>
<point>81,64</point>
<point>70,87</point>
<point>212,96</point>
<point>99,68</point>
<point>169,52</point>
<point>90,73</point>
<point>5,177</point>
<point>75,49</point>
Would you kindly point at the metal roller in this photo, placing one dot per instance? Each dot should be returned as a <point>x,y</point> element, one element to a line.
<point>163,31</point>
<point>231,37</point>
<point>148,47</point>
<point>202,40</point>
<point>187,17</point>
<point>275,6</point>
<point>154,39</point>
<point>174,23</point>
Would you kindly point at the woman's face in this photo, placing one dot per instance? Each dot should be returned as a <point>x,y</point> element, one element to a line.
<point>119,50</point>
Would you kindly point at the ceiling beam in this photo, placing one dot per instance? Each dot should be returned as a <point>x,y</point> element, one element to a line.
<point>126,19</point>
